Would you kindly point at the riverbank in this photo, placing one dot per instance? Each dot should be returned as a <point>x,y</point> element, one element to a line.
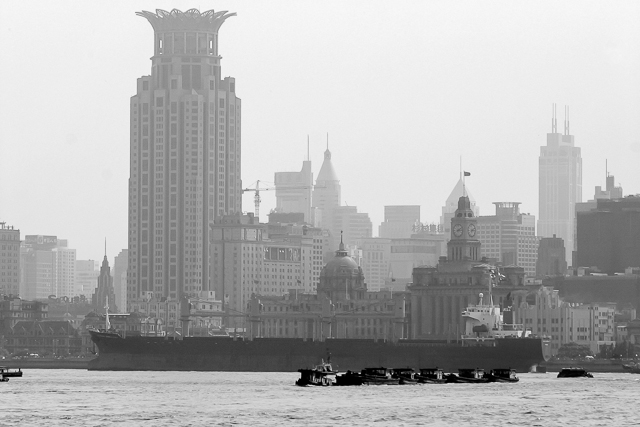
<point>46,363</point>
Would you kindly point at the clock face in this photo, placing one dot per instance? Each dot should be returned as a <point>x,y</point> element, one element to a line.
<point>457,230</point>
<point>471,229</point>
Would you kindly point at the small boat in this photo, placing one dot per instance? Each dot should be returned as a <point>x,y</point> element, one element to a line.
<point>468,375</point>
<point>431,376</point>
<point>503,376</point>
<point>405,375</point>
<point>574,372</point>
<point>320,375</point>
<point>6,373</point>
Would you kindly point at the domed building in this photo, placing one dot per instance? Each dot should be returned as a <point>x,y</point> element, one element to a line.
<point>342,278</point>
<point>342,308</point>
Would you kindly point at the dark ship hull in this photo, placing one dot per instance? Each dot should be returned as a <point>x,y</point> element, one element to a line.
<point>289,354</point>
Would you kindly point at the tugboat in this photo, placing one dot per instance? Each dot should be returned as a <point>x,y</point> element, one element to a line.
<point>6,373</point>
<point>320,375</point>
<point>431,376</point>
<point>574,372</point>
<point>468,375</point>
<point>503,376</point>
<point>405,375</point>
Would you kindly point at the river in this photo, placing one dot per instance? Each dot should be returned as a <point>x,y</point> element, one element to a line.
<point>48,397</point>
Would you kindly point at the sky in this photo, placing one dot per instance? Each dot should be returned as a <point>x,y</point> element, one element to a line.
<point>406,91</point>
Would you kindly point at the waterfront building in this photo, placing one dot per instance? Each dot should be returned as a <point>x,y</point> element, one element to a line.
<point>560,185</point>
<point>608,235</point>
<point>545,314</point>
<point>104,294</point>
<point>294,190</point>
<point>44,338</point>
<point>509,237</point>
<point>342,308</point>
<point>185,150</point>
<point>14,309</point>
<point>399,221</point>
<point>9,260</point>
<point>269,259</point>
<point>551,257</point>
<point>440,293</point>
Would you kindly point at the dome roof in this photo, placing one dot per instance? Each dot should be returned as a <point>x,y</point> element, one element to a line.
<point>341,264</point>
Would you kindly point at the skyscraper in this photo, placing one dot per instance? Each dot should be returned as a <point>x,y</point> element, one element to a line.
<point>293,191</point>
<point>9,260</point>
<point>326,193</point>
<point>184,156</point>
<point>560,185</point>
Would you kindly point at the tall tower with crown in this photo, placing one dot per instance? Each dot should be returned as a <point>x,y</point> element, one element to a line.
<point>463,246</point>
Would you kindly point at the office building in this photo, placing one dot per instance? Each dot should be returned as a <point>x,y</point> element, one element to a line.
<point>47,267</point>
<point>607,236</point>
<point>560,185</point>
<point>120,279</point>
<point>509,237</point>
<point>551,257</point>
<point>104,294</point>
<point>184,155</point>
<point>399,221</point>
<point>9,260</point>
<point>86,277</point>
<point>294,191</point>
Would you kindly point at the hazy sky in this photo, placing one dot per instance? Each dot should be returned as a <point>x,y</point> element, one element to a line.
<point>402,88</point>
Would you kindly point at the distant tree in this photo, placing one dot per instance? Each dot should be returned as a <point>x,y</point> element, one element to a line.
<point>573,350</point>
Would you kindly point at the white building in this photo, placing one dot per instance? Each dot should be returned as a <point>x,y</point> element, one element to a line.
<point>560,186</point>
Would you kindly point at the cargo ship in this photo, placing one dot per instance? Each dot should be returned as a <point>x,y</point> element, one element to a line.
<point>487,343</point>
<point>289,354</point>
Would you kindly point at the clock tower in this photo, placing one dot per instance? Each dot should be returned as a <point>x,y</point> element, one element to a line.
<point>463,245</point>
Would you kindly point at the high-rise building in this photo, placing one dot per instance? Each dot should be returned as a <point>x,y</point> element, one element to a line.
<point>9,260</point>
<point>184,156</point>
<point>509,236</point>
<point>293,191</point>
<point>47,268</point>
<point>104,293</point>
<point>399,221</point>
<point>120,279</point>
<point>265,259</point>
<point>551,257</point>
<point>86,277</point>
<point>607,236</point>
<point>326,193</point>
<point>560,185</point>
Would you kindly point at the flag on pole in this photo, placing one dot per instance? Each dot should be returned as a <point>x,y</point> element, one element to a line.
<point>467,173</point>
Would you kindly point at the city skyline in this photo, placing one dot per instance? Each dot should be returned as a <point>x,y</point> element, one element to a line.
<point>402,96</point>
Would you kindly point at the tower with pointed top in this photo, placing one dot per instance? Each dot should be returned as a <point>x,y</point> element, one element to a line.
<point>560,185</point>
<point>464,245</point>
<point>104,291</point>
<point>449,209</point>
<point>184,156</point>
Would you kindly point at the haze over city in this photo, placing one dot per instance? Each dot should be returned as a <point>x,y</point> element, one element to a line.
<point>402,90</point>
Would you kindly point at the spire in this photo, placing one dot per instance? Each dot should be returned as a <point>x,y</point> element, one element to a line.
<point>308,158</point>
<point>341,252</point>
<point>554,120</point>
<point>566,120</point>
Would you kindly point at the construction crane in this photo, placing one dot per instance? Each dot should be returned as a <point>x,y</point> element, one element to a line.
<point>258,189</point>
<point>256,197</point>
